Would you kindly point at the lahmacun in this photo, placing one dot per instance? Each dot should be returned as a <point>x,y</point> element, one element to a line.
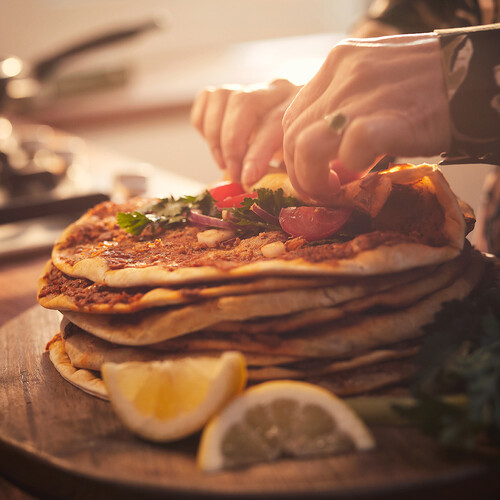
<point>346,311</point>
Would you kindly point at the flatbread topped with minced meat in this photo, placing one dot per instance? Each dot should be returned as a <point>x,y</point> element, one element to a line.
<point>64,293</point>
<point>337,295</point>
<point>409,218</point>
<point>152,326</point>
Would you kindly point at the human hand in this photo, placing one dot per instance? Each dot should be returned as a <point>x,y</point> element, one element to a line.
<point>243,126</point>
<point>391,96</point>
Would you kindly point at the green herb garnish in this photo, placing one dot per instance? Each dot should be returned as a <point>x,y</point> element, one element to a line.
<point>135,222</point>
<point>167,212</point>
<point>267,199</point>
<point>461,357</point>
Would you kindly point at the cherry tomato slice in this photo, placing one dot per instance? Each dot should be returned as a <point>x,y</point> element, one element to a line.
<point>313,223</point>
<point>234,201</point>
<point>225,189</point>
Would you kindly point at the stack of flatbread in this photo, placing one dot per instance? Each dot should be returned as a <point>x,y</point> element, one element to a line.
<point>344,314</point>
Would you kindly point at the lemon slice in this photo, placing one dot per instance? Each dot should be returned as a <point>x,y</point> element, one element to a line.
<point>280,418</point>
<point>167,400</point>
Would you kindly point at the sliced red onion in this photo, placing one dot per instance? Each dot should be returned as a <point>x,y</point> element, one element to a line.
<point>205,220</point>
<point>263,214</point>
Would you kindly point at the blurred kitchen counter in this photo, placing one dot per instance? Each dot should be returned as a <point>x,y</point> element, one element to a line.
<point>30,222</point>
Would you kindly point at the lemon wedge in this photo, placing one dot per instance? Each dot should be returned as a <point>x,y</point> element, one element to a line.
<point>280,418</point>
<point>168,400</point>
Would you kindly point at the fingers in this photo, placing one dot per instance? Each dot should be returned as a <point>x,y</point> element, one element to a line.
<point>215,110</point>
<point>240,120</point>
<point>367,138</point>
<point>243,126</point>
<point>251,130</point>
<point>394,104</point>
<point>315,88</point>
<point>198,110</point>
<point>267,141</point>
<point>207,115</point>
<point>308,167</point>
<point>323,159</point>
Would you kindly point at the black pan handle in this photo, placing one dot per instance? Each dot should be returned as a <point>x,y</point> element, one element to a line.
<point>43,68</point>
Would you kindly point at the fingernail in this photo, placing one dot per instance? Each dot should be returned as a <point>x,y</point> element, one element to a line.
<point>334,183</point>
<point>233,169</point>
<point>248,174</point>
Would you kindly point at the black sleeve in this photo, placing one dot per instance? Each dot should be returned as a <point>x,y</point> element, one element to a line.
<point>422,16</point>
<point>488,230</point>
<point>471,61</point>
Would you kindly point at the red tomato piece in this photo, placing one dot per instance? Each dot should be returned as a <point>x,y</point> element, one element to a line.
<point>225,189</point>
<point>234,201</point>
<point>313,223</point>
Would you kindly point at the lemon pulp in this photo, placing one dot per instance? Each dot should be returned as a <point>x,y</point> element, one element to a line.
<point>281,418</point>
<point>167,400</point>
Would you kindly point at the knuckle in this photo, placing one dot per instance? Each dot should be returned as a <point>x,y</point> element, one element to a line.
<point>288,118</point>
<point>281,88</point>
<point>241,99</point>
<point>220,93</point>
<point>280,82</point>
<point>302,142</point>
<point>250,103</point>
<point>305,143</point>
<point>358,69</point>
<point>231,146</point>
<point>275,115</point>
<point>361,72</point>
<point>336,54</point>
<point>212,133</point>
<point>361,131</point>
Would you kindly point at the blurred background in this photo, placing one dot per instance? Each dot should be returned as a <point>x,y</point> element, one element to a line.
<point>133,98</point>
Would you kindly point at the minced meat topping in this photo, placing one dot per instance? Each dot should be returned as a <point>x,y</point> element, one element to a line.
<point>98,235</point>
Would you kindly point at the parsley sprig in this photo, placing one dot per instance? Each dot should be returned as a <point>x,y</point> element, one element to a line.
<point>169,212</point>
<point>267,199</point>
<point>455,397</point>
<point>461,357</point>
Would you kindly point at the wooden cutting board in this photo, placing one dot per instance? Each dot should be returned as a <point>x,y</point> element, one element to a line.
<point>60,442</point>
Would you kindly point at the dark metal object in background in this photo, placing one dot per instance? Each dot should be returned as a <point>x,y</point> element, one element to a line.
<point>34,163</point>
<point>19,79</point>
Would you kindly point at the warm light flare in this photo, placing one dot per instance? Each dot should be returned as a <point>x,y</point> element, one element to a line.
<point>5,128</point>
<point>11,67</point>
<point>23,88</point>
